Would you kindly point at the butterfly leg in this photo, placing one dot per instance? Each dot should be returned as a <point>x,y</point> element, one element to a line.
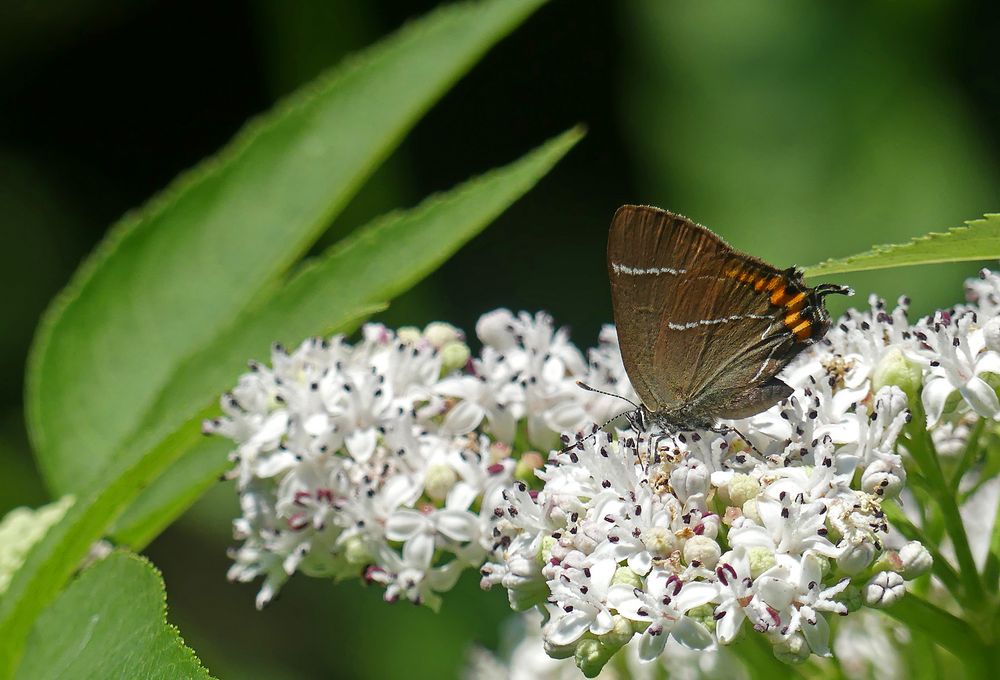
<point>725,429</point>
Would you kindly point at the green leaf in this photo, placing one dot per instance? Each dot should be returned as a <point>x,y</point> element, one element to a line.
<point>169,278</point>
<point>978,240</point>
<point>377,262</point>
<point>110,623</point>
<point>412,243</point>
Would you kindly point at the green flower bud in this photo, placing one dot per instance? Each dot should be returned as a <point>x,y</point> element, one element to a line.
<point>454,356</point>
<point>625,576</point>
<point>439,481</point>
<point>618,636</point>
<point>545,551</point>
<point>761,559</point>
<point>741,488</point>
<point>591,657</point>
<point>794,650</point>
<point>559,651</point>
<point>895,369</point>
<point>356,552</point>
<point>705,615</point>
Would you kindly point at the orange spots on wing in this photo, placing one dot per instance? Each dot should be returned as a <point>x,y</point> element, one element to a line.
<point>795,303</point>
<point>803,331</point>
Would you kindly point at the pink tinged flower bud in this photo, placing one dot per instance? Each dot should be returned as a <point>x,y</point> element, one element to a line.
<point>916,560</point>
<point>883,479</point>
<point>884,589</point>
<point>526,466</point>
<point>856,558</point>
<point>703,550</point>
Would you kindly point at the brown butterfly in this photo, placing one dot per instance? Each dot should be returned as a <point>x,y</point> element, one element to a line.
<point>704,329</point>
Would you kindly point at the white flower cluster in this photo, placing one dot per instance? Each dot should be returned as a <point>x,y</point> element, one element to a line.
<point>403,460</point>
<point>375,459</point>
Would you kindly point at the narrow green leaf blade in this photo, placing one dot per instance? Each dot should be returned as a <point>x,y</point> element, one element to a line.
<point>169,278</point>
<point>110,623</point>
<point>376,263</point>
<point>977,240</point>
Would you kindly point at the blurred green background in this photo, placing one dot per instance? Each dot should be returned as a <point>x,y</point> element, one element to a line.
<point>799,131</point>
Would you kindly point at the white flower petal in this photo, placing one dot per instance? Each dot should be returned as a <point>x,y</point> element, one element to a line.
<point>981,397</point>
<point>361,444</point>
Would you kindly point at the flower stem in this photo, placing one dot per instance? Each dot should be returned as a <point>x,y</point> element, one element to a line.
<point>946,630</point>
<point>972,450</point>
<point>922,450</point>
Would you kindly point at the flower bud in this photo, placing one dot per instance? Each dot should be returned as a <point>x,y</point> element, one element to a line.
<point>741,488</point>
<point>883,479</point>
<point>702,549</point>
<point>625,576</point>
<point>856,558</point>
<point>894,368</point>
<point>761,559</point>
<point>454,356</point>
<point>439,481</point>
<point>689,479</point>
<point>710,525</point>
<point>409,335</point>
<point>750,510</point>
<point>591,656</point>
<point>793,649</point>
<point>559,651</point>
<point>916,560</point>
<point>884,589</point>
<point>355,551</point>
<point>660,541</point>
<point>439,334</point>
<point>526,466</point>
<point>618,636</point>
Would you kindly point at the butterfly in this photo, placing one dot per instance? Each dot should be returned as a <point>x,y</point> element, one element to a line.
<point>704,329</point>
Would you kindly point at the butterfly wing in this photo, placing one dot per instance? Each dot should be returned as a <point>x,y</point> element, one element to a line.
<point>699,322</point>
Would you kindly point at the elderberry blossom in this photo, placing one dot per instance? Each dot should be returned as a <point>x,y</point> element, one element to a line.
<point>405,459</point>
<point>377,459</point>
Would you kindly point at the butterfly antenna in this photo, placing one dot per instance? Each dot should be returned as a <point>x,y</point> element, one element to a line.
<point>583,385</point>
<point>825,289</point>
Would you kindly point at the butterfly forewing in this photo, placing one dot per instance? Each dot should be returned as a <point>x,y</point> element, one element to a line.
<point>698,321</point>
